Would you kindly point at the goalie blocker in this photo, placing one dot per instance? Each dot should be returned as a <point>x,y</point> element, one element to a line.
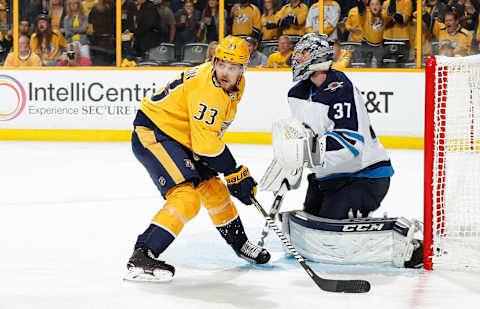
<point>354,241</point>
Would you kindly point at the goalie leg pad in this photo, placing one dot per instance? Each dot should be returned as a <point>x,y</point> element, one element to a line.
<point>350,241</point>
<point>215,198</point>
<point>408,252</point>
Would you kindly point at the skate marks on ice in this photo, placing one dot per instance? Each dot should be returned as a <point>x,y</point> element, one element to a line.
<point>218,288</point>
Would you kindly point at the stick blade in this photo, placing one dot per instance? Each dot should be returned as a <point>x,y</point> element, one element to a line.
<point>343,286</point>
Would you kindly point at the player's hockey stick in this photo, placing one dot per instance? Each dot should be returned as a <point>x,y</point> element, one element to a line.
<point>277,202</point>
<point>330,285</point>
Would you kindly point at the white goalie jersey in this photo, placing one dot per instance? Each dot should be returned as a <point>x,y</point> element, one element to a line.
<point>336,110</point>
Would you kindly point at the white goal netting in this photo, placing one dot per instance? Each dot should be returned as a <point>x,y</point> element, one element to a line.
<point>456,164</point>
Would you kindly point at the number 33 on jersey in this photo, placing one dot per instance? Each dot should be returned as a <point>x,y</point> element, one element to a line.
<point>194,110</point>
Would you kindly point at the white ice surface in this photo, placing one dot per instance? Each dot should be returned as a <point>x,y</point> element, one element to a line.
<point>70,214</point>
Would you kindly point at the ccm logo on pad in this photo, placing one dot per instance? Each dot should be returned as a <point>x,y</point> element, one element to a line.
<point>363,227</point>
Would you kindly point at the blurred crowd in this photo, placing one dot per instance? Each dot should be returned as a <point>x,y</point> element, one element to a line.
<point>366,33</point>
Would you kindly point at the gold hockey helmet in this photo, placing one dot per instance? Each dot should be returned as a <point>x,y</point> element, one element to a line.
<point>233,49</point>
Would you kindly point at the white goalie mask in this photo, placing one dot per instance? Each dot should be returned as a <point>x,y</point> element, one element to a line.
<point>321,56</point>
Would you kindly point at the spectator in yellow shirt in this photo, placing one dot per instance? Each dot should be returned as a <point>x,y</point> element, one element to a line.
<point>26,58</point>
<point>281,59</point>
<point>47,42</point>
<point>246,19</point>
<point>270,28</point>
<point>354,24</point>
<point>396,17</point>
<point>292,18</point>
<point>453,31</point>
<point>373,26</point>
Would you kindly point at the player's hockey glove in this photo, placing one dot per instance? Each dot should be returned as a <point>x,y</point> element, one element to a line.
<point>241,184</point>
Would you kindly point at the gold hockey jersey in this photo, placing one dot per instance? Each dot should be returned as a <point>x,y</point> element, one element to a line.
<point>276,60</point>
<point>397,31</point>
<point>462,37</point>
<point>354,21</point>
<point>245,18</point>
<point>373,27</point>
<point>33,60</point>
<point>301,11</point>
<point>270,34</point>
<point>194,110</point>
<point>51,52</point>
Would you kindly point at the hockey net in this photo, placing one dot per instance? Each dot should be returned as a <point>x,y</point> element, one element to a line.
<point>452,163</point>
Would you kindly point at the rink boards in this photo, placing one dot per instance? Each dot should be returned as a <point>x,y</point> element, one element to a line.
<point>99,105</point>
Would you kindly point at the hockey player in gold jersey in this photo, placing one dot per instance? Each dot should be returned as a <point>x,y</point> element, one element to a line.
<point>177,137</point>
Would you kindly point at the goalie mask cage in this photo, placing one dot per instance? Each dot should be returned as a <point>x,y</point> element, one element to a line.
<point>452,163</point>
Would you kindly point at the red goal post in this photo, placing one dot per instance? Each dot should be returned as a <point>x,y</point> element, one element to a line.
<point>452,163</point>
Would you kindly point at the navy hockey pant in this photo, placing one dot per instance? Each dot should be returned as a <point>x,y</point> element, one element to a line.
<point>333,198</point>
<point>167,161</point>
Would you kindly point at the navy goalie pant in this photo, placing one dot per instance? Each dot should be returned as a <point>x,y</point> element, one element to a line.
<point>333,198</point>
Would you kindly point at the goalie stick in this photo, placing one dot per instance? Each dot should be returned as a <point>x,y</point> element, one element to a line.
<point>329,285</point>
<point>277,202</point>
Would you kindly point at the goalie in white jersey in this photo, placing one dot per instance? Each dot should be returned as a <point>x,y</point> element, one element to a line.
<point>357,170</point>
<point>350,168</point>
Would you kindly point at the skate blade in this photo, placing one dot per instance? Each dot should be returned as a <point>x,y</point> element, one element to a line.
<point>139,275</point>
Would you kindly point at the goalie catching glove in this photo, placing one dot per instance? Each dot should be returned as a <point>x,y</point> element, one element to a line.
<point>241,184</point>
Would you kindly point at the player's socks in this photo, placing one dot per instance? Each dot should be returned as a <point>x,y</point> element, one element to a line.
<point>145,266</point>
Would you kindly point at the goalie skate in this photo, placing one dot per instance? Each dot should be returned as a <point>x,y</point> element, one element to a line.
<point>143,266</point>
<point>253,253</point>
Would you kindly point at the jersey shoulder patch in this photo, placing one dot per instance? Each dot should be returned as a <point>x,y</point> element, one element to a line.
<point>333,86</point>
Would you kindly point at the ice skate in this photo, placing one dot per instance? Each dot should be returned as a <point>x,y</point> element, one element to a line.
<point>144,266</point>
<point>416,261</point>
<point>253,253</point>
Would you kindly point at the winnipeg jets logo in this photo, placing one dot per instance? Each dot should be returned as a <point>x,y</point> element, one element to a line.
<point>333,86</point>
